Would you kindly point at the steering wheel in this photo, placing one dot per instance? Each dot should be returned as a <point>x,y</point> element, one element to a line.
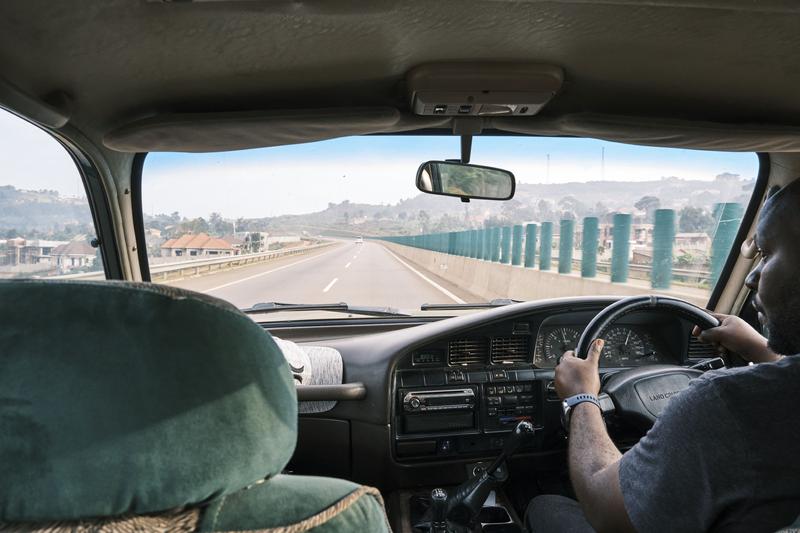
<point>641,394</point>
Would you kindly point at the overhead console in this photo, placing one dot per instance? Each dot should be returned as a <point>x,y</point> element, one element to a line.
<point>482,89</point>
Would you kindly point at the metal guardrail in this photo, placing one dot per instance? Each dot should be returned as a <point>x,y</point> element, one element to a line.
<point>505,245</point>
<point>197,267</point>
<point>701,276</point>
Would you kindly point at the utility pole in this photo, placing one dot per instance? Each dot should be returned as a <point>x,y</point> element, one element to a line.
<point>548,168</point>
<point>603,163</point>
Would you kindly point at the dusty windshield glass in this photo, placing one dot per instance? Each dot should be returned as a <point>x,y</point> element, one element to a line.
<point>343,221</point>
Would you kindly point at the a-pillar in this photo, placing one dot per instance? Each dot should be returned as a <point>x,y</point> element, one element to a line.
<point>729,217</point>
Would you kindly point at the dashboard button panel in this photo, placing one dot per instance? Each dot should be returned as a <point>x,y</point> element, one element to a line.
<point>506,405</point>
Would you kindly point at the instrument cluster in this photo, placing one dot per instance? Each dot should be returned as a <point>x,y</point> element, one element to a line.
<point>624,345</point>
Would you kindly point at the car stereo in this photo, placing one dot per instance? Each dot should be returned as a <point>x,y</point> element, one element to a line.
<point>449,412</point>
<point>437,410</point>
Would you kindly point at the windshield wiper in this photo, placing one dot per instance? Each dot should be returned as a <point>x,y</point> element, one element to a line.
<point>341,307</point>
<point>498,302</point>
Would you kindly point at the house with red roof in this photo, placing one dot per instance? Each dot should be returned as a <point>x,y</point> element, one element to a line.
<point>197,245</point>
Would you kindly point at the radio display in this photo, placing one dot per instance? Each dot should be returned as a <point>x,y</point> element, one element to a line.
<point>428,358</point>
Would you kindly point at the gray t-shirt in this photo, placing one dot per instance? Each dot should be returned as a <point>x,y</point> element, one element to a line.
<point>724,455</point>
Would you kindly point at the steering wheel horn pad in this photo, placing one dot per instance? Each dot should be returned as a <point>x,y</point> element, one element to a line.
<point>640,395</point>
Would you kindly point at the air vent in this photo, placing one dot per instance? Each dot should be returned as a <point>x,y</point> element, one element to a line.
<point>700,350</point>
<point>511,350</point>
<point>464,352</point>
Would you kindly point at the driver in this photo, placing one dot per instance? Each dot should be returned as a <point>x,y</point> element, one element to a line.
<point>725,454</point>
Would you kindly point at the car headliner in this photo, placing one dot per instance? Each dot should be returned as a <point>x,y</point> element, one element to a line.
<point>717,74</point>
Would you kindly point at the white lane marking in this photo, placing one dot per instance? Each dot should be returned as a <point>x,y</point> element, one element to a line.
<point>264,273</point>
<point>355,256</point>
<point>348,265</point>
<point>435,285</point>
<point>328,287</point>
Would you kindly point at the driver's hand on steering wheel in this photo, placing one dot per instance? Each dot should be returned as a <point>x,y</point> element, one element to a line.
<point>735,335</point>
<point>579,376</point>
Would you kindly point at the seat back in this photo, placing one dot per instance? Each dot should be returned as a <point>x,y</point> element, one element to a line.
<point>124,399</point>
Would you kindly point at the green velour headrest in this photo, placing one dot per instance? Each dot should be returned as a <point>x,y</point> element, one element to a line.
<point>133,398</point>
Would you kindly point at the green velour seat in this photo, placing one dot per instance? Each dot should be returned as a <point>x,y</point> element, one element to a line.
<point>139,405</point>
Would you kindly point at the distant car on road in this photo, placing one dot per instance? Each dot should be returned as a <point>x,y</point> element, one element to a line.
<point>359,240</point>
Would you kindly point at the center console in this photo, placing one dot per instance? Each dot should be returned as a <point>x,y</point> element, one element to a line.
<point>471,507</point>
<point>496,515</point>
<point>446,412</point>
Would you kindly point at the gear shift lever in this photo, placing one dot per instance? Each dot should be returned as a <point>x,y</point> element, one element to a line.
<point>521,433</point>
<point>438,511</point>
<point>466,502</point>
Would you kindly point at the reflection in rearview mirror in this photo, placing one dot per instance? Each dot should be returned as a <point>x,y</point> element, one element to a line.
<point>448,178</point>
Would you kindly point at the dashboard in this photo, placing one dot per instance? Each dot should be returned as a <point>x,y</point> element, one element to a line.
<point>459,395</point>
<point>446,392</point>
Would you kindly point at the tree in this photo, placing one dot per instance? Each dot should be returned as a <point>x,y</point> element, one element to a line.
<point>215,223</point>
<point>424,220</point>
<point>510,208</point>
<point>494,222</point>
<point>695,220</point>
<point>195,225</point>
<point>571,207</point>
<point>545,211</point>
<point>648,204</point>
<point>600,210</point>
<point>447,223</point>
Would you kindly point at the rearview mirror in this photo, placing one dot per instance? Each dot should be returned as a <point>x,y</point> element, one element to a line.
<point>449,178</point>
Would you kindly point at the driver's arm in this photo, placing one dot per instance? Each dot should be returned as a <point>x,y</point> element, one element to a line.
<point>678,477</point>
<point>593,458</point>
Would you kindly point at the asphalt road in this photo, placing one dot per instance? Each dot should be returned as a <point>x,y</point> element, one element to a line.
<point>359,274</point>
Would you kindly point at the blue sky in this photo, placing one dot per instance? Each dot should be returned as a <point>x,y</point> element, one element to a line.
<point>381,169</point>
<point>486,149</point>
<point>378,169</point>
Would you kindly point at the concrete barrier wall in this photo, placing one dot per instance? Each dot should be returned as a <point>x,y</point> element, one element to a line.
<point>167,272</point>
<point>198,267</point>
<point>489,280</point>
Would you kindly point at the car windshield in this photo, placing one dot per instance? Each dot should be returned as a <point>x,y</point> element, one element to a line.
<point>341,221</point>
